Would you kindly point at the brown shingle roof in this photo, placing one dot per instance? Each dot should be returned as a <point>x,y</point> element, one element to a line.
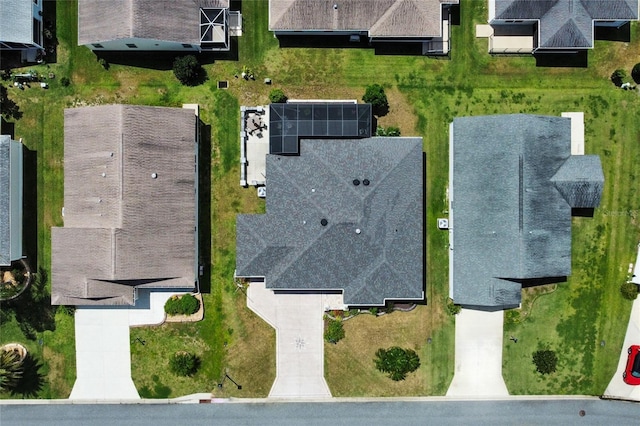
<point>124,228</point>
<point>170,20</point>
<point>382,18</point>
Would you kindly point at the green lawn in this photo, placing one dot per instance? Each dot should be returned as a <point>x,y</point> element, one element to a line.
<point>425,94</point>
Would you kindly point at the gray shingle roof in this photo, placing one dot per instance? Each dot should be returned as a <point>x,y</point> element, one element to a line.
<point>16,21</point>
<point>566,23</point>
<point>510,220</point>
<point>169,20</point>
<point>292,249</point>
<point>11,194</point>
<point>382,18</point>
<point>124,228</point>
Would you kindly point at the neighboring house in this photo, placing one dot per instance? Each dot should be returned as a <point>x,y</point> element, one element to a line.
<point>169,25</point>
<point>21,28</point>
<point>557,25</point>
<point>11,181</point>
<point>342,214</point>
<point>513,185</point>
<point>130,204</point>
<point>422,21</point>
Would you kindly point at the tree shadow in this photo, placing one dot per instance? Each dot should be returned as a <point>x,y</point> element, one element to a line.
<point>50,31</point>
<point>8,107</point>
<point>32,379</point>
<point>33,310</point>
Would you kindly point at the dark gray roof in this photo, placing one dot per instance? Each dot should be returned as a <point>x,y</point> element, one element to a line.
<point>510,220</point>
<point>169,20</point>
<point>16,21</point>
<point>382,18</point>
<point>566,23</point>
<point>11,196</point>
<point>290,122</point>
<point>372,244</point>
<point>123,227</point>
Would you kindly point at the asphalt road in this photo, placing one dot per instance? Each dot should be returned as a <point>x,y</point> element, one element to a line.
<point>438,412</point>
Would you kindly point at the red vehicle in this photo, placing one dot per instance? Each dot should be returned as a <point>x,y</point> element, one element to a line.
<point>631,373</point>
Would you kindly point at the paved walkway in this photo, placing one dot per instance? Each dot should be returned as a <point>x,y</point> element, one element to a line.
<point>297,319</point>
<point>617,387</point>
<point>478,365</point>
<point>103,351</point>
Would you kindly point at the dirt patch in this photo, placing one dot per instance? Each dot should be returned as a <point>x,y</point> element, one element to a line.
<point>401,113</point>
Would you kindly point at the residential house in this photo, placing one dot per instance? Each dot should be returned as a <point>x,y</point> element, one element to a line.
<point>555,25</point>
<point>513,186</point>
<point>11,192</point>
<point>130,204</point>
<point>21,28</point>
<point>164,25</point>
<point>407,21</point>
<point>343,213</point>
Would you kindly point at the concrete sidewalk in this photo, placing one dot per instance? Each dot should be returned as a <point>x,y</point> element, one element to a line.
<point>617,387</point>
<point>298,321</point>
<point>478,365</point>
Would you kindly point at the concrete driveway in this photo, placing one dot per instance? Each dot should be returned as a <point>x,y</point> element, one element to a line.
<point>297,319</point>
<point>103,351</point>
<point>478,366</point>
<point>617,387</point>
<point>103,356</point>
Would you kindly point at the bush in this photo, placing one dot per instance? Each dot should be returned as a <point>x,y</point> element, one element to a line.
<point>277,96</point>
<point>187,70</point>
<point>635,73</point>
<point>184,364</point>
<point>103,62</point>
<point>618,77</point>
<point>389,131</point>
<point>629,291</point>
<point>375,96</point>
<point>373,311</point>
<point>186,304</point>
<point>397,362</point>
<point>65,81</point>
<point>11,370</point>
<point>452,308</point>
<point>334,332</point>
<point>545,361</point>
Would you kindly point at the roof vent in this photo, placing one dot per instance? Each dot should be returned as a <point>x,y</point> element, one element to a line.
<point>324,222</point>
<point>335,6</point>
<point>154,175</point>
<point>366,182</point>
<point>358,231</point>
<point>356,182</point>
<point>104,174</point>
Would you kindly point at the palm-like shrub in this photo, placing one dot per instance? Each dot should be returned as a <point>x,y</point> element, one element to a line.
<point>397,362</point>
<point>545,361</point>
<point>184,363</point>
<point>10,369</point>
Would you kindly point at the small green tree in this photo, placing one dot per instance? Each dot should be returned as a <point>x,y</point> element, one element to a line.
<point>375,96</point>
<point>187,70</point>
<point>334,331</point>
<point>453,308</point>
<point>277,96</point>
<point>545,361</point>
<point>397,362</point>
<point>10,370</point>
<point>618,77</point>
<point>65,82</point>
<point>635,73</point>
<point>184,363</point>
<point>629,291</point>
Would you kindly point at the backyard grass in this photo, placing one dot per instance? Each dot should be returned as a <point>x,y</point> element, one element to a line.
<point>584,320</point>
